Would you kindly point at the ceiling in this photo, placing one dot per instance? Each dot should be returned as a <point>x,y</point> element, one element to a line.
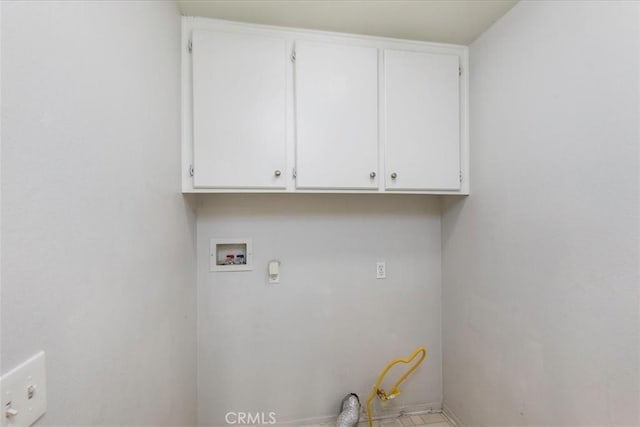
<point>445,21</point>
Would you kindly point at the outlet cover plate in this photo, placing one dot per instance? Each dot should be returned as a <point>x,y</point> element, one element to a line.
<point>381,270</point>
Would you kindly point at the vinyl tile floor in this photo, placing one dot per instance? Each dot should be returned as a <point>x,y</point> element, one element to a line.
<point>421,420</point>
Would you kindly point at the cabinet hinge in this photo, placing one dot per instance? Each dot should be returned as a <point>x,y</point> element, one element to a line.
<point>190,170</point>
<point>295,173</point>
<point>293,56</point>
<point>190,46</point>
<point>459,71</point>
<point>460,176</point>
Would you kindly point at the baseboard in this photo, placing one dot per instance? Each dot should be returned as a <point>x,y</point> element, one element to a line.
<point>415,409</point>
<point>452,416</point>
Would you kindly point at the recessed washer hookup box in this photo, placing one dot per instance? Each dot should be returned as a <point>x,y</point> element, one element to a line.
<point>233,254</point>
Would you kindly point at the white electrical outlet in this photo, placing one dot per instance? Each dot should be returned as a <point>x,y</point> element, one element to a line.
<point>381,270</point>
<point>24,393</point>
<point>274,272</point>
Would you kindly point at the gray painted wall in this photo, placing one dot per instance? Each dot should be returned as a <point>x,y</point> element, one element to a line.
<point>329,327</point>
<point>98,261</point>
<point>541,262</point>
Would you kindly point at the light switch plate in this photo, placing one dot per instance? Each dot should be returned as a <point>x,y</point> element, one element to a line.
<point>24,393</point>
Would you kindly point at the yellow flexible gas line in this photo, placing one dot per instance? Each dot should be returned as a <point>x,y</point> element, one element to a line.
<point>395,390</point>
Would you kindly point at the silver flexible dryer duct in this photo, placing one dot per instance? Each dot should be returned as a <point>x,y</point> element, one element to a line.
<point>350,414</point>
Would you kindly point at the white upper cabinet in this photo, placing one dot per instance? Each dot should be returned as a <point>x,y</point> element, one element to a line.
<point>239,110</point>
<point>267,109</point>
<point>336,113</point>
<point>422,121</point>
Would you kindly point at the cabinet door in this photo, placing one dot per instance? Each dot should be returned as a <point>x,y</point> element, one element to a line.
<point>239,110</point>
<point>422,121</point>
<point>336,89</point>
